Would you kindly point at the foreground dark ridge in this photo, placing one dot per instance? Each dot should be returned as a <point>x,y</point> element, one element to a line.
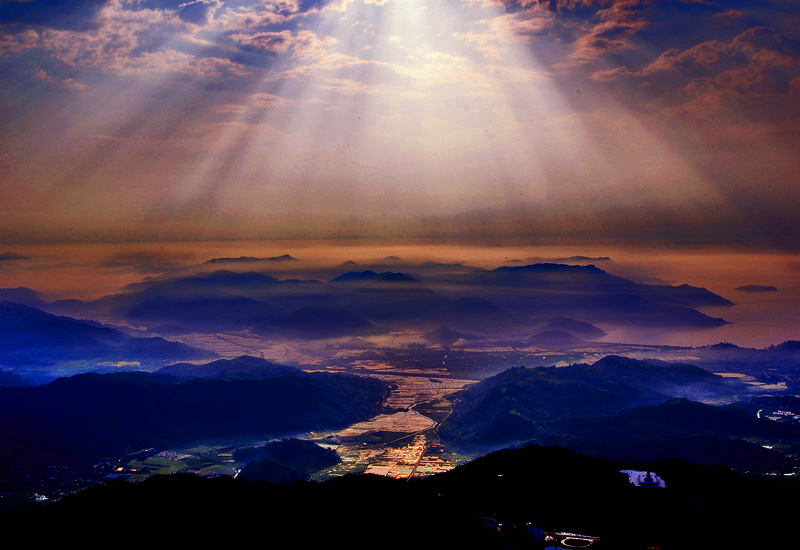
<point>556,489</point>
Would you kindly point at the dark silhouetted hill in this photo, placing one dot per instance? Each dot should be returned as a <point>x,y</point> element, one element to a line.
<point>91,416</point>
<point>286,258</point>
<point>756,288</point>
<point>203,312</point>
<point>585,292</point>
<point>12,380</point>
<point>285,460</point>
<point>29,336</point>
<point>244,367</point>
<point>555,405</point>
<point>552,488</point>
<point>692,296</point>
<point>573,326</point>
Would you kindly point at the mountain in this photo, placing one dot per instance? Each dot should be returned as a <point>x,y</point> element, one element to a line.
<point>573,326</point>
<point>250,259</point>
<point>691,296</point>
<point>519,403</point>
<point>522,404</point>
<point>89,417</point>
<point>285,460</point>
<point>680,429</point>
<point>29,336</point>
<point>788,346</point>
<point>201,285</point>
<point>487,503</point>
<point>24,296</point>
<point>369,275</point>
<point>347,266</point>
<point>511,302</point>
<point>584,292</point>
<point>570,260</point>
<point>366,275</point>
<point>12,380</point>
<point>670,378</point>
<point>12,256</point>
<point>244,367</point>
<point>203,312</point>
<point>554,338</point>
<point>756,288</point>
<point>317,323</point>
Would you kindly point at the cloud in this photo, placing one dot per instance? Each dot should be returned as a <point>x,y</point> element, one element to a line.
<point>605,38</point>
<point>757,63</point>
<point>14,43</point>
<point>529,98</point>
<point>267,41</point>
<point>69,83</point>
<point>79,16</point>
<point>198,12</point>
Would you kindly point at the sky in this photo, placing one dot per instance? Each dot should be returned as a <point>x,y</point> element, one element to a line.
<point>631,122</point>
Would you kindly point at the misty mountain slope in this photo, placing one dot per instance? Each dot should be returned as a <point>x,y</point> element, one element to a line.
<point>572,326</point>
<point>584,292</point>
<point>519,403</point>
<point>676,379</point>
<point>220,284</point>
<point>29,336</point>
<point>216,280</point>
<point>543,297</point>
<point>400,301</point>
<point>240,368</point>
<point>24,296</point>
<point>691,296</point>
<point>91,416</point>
<point>523,404</point>
<point>317,323</point>
<point>369,275</point>
<point>203,312</point>
<point>12,380</point>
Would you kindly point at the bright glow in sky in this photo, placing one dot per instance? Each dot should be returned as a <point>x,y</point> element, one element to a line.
<point>475,120</point>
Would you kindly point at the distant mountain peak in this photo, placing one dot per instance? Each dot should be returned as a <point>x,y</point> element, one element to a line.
<point>757,288</point>
<point>391,276</point>
<point>369,275</point>
<point>549,267</point>
<point>237,276</point>
<point>239,368</point>
<point>252,259</point>
<point>12,256</point>
<point>366,275</point>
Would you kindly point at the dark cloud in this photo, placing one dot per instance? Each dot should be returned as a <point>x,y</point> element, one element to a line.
<point>198,12</point>
<point>57,14</point>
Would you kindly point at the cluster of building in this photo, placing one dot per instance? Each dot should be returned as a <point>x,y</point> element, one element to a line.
<point>529,534</point>
<point>644,478</point>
